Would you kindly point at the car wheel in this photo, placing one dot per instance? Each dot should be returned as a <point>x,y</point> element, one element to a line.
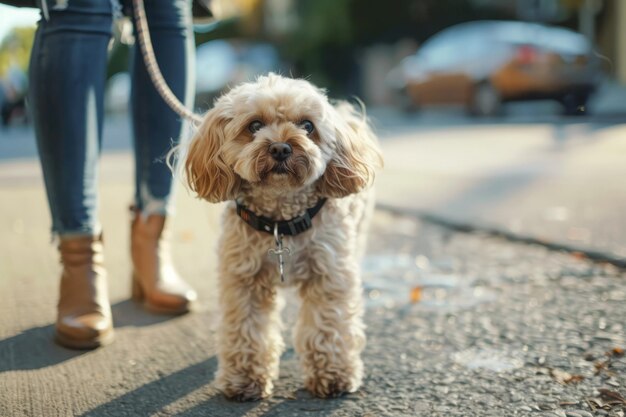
<point>485,100</point>
<point>575,104</point>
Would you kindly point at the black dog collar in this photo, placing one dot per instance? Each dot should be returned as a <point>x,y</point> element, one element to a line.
<point>291,227</point>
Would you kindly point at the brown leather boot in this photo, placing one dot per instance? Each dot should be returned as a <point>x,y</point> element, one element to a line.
<point>84,313</point>
<point>155,281</point>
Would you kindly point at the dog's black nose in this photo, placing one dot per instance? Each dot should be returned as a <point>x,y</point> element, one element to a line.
<point>280,151</point>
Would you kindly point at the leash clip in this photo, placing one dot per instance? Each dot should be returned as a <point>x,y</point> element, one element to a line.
<point>279,251</point>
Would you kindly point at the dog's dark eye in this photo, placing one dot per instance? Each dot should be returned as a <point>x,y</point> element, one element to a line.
<point>308,126</point>
<point>255,126</point>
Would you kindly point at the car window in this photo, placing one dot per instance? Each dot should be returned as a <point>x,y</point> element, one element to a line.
<point>558,40</point>
<point>565,41</point>
<point>457,46</point>
<point>443,53</point>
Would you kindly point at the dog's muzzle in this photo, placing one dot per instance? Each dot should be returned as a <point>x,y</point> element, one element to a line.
<point>280,151</point>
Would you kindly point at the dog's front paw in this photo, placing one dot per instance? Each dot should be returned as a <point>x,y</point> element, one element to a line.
<point>245,389</point>
<point>331,385</point>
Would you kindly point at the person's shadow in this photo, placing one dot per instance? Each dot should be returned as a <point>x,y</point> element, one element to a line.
<point>153,396</point>
<point>35,348</point>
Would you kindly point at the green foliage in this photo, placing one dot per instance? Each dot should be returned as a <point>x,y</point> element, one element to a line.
<point>15,49</point>
<point>324,22</point>
<point>221,29</point>
<point>321,41</point>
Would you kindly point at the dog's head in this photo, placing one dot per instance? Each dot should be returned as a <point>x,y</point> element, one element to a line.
<point>283,134</point>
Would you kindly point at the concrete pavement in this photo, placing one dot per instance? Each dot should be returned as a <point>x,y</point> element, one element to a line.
<point>555,182</point>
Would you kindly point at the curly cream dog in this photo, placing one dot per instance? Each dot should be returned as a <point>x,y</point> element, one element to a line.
<point>278,148</point>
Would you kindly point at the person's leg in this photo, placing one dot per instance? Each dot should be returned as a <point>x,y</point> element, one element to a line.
<point>67,76</point>
<point>156,129</point>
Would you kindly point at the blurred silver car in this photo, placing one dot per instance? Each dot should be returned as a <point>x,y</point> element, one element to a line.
<point>483,64</point>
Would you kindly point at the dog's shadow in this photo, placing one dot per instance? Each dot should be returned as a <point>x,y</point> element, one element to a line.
<point>298,402</point>
<point>289,398</point>
<point>218,405</point>
<point>35,349</point>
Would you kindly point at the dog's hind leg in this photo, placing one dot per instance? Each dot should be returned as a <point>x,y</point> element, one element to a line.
<point>329,336</point>
<point>250,343</point>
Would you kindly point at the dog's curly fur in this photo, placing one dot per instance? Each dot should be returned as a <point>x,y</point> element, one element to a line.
<point>226,160</point>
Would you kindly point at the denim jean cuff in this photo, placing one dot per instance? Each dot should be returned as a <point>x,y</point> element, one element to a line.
<point>81,232</point>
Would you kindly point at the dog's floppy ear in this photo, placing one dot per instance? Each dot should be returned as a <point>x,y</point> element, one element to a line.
<point>356,156</point>
<point>207,173</point>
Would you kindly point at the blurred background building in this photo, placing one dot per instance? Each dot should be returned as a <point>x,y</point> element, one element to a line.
<point>353,47</point>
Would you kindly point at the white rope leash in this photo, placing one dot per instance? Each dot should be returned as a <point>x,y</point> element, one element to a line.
<point>147,51</point>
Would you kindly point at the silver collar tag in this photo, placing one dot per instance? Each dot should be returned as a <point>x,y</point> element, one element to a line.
<point>279,251</point>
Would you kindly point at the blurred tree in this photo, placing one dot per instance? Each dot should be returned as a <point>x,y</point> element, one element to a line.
<point>573,4</point>
<point>118,59</point>
<point>417,19</point>
<point>15,49</point>
<point>321,44</point>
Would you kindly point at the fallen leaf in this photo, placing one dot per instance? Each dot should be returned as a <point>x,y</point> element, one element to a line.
<point>564,378</point>
<point>594,403</point>
<point>575,379</point>
<point>617,351</point>
<point>611,397</point>
<point>601,366</point>
<point>416,294</point>
<point>607,401</point>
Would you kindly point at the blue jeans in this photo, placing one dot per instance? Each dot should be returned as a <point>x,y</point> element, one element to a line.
<point>67,79</point>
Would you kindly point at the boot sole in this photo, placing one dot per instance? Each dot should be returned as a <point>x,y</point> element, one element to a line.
<point>137,295</point>
<point>84,344</point>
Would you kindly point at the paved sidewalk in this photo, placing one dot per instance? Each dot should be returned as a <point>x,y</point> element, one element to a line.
<point>559,182</point>
<point>494,329</point>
